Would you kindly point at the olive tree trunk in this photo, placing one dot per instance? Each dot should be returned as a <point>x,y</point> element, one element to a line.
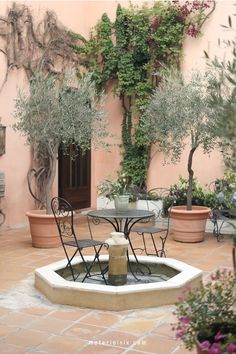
<point>51,176</point>
<point>190,179</point>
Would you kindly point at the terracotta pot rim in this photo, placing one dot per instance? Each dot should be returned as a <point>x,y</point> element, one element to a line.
<point>39,213</point>
<point>181,209</point>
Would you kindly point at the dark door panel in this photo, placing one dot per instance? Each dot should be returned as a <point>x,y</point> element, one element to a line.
<point>75,178</point>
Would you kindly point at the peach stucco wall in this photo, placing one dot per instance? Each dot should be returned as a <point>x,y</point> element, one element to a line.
<point>206,167</point>
<point>81,16</point>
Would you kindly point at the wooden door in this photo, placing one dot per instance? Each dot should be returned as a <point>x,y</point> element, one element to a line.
<point>75,178</point>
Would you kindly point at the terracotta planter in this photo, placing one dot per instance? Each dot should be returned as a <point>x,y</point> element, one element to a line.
<point>43,229</point>
<point>189,225</point>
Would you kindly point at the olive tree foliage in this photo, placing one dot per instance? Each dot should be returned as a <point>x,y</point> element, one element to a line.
<point>179,116</point>
<point>223,91</point>
<point>58,112</point>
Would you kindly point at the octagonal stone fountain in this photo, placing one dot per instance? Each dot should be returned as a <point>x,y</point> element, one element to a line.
<point>163,287</point>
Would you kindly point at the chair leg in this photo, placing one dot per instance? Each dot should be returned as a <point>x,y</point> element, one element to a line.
<point>154,246</point>
<point>163,241</point>
<point>88,269</point>
<point>144,243</point>
<point>69,263</point>
<point>105,270</point>
<point>234,258</point>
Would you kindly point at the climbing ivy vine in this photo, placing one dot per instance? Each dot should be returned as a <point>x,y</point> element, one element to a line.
<point>130,53</point>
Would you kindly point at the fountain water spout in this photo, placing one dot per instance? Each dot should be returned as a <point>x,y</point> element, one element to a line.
<point>117,265</point>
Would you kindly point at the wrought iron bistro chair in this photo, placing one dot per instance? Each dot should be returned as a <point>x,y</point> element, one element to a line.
<point>63,213</point>
<point>220,215</point>
<point>159,231</point>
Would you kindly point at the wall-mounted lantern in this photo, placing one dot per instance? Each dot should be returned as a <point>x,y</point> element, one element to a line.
<point>2,139</point>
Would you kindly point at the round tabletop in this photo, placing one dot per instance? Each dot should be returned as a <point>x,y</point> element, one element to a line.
<point>126,214</point>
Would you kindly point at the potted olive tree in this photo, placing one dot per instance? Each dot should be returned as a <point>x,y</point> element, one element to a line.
<point>57,111</point>
<point>178,116</point>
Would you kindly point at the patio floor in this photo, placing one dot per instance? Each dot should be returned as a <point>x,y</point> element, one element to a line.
<point>29,323</point>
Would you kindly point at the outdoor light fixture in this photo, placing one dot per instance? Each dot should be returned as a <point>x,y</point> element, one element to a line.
<point>2,139</point>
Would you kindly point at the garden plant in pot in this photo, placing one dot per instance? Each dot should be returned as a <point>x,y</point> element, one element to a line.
<point>179,115</point>
<point>117,191</point>
<point>206,316</point>
<point>58,111</point>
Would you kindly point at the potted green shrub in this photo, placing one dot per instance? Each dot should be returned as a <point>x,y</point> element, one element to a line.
<point>206,316</point>
<point>116,190</point>
<point>57,111</point>
<point>200,196</point>
<point>180,115</point>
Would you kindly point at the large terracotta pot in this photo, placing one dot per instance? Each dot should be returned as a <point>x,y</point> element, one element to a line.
<point>189,225</point>
<point>43,229</point>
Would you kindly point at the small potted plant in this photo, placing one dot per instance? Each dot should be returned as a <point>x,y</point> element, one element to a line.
<point>206,315</point>
<point>117,191</point>
<point>179,116</point>
<point>58,111</point>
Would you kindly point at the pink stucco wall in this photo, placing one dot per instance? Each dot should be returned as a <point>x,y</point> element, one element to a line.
<point>206,167</point>
<point>80,16</point>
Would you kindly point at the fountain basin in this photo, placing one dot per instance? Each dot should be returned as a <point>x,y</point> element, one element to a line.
<point>107,297</point>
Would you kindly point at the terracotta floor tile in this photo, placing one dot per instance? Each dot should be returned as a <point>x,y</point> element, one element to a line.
<point>117,338</point>
<point>7,285</point>
<point>3,311</point>
<point>92,349</point>
<point>17,319</point>
<point>6,330</point>
<point>165,330</point>
<point>104,319</point>
<point>182,350</point>
<point>14,275</point>
<point>11,349</point>
<point>37,311</point>
<point>137,326</point>
<point>71,315</point>
<point>62,345</point>
<point>27,338</point>
<point>84,331</point>
<point>51,325</point>
<point>134,352</point>
<point>156,344</point>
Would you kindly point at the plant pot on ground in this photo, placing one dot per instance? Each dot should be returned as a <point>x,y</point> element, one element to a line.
<point>43,229</point>
<point>189,225</point>
<point>58,111</point>
<point>178,115</point>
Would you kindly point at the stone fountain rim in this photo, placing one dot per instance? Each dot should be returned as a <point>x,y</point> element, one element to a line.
<point>187,273</point>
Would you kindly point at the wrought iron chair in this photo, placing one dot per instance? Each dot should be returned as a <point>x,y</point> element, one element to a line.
<point>159,231</point>
<point>220,215</point>
<point>64,217</point>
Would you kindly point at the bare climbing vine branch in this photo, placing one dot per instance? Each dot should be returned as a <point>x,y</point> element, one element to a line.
<point>27,45</point>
